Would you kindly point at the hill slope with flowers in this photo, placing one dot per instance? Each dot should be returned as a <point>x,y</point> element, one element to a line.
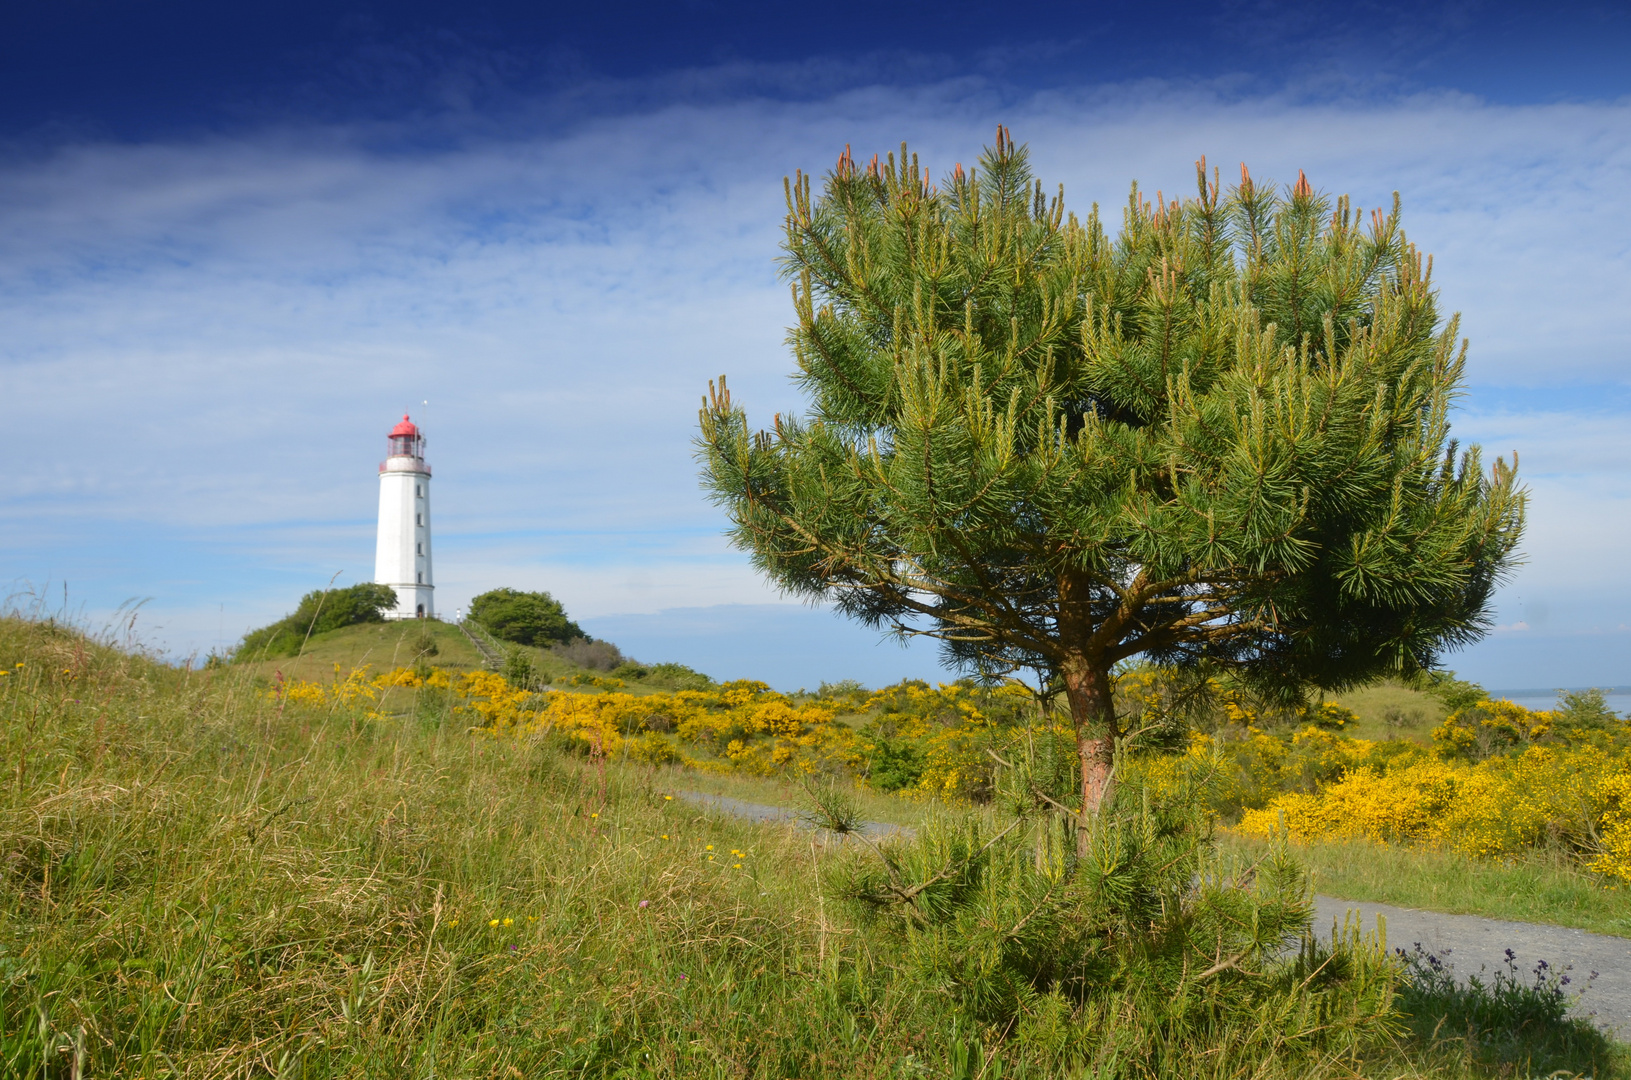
<point>214,874</point>
<point>1497,781</point>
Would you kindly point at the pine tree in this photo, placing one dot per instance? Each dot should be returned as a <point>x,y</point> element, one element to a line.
<point>1221,438</point>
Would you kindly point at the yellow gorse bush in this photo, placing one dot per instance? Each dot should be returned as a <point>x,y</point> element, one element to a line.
<point>1492,726</point>
<point>348,688</point>
<point>1615,856</point>
<point>742,725</point>
<point>1146,692</point>
<point>1392,807</point>
<point>947,729</point>
<point>1499,780</point>
<point>1570,791</point>
<point>1246,769</point>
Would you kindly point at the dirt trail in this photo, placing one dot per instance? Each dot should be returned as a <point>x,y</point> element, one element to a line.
<point>1467,942</point>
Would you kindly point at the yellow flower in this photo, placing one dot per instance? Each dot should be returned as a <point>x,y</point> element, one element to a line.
<point>738,866</point>
<point>710,847</point>
<point>509,922</point>
<point>594,815</point>
<point>532,918</point>
<point>665,836</point>
<point>668,798</point>
<point>453,922</point>
<point>710,858</point>
<point>492,922</point>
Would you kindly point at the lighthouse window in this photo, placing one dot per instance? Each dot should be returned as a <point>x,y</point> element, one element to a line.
<point>418,492</point>
<point>419,549</point>
<point>419,577</point>
<point>419,519</point>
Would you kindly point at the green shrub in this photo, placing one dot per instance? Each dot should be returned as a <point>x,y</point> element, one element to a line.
<point>1137,929</point>
<point>519,670</point>
<point>893,764</point>
<point>1395,717</point>
<point>525,618</point>
<point>424,644</point>
<point>319,612</point>
<point>1330,716</point>
<point>1456,694</point>
<point>668,676</point>
<point>1587,709</point>
<point>589,653</point>
<point>845,693</point>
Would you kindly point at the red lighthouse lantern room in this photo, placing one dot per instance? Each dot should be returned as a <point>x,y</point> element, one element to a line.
<point>406,440</point>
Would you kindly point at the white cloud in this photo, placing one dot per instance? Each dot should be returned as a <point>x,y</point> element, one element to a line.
<point>211,337</point>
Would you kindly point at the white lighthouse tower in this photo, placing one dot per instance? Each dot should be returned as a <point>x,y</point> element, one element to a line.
<point>402,553</point>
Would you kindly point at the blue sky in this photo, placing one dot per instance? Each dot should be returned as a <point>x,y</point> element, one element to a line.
<point>236,244</point>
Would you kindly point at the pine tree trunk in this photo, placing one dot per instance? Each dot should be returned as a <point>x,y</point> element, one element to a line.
<point>1093,713</point>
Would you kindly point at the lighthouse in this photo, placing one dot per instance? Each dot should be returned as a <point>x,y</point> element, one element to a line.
<point>402,553</point>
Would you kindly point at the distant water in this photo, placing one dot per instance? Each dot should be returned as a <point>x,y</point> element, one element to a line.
<point>1618,697</point>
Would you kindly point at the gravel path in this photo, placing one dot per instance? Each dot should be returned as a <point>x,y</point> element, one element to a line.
<point>1467,942</point>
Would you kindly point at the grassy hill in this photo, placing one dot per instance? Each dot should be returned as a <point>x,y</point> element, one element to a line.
<point>388,645</point>
<point>1386,709</point>
<point>1389,710</point>
<point>382,646</point>
<point>203,881</point>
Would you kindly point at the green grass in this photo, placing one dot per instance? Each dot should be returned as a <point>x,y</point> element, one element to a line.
<point>776,791</point>
<point>387,645</point>
<point>198,882</point>
<point>1422,712</point>
<point>1539,889</point>
<point>382,646</point>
